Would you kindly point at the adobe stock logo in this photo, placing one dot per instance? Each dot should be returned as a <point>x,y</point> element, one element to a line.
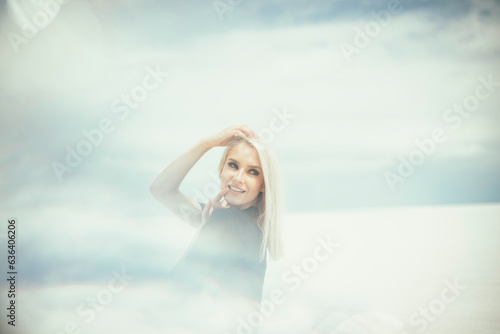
<point>120,106</point>
<point>97,303</point>
<point>277,124</point>
<point>380,322</point>
<point>295,276</point>
<point>47,12</point>
<point>372,29</point>
<point>428,146</point>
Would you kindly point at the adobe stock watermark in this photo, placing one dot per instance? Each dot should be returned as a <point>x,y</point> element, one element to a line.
<point>294,277</point>
<point>427,146</point>
<point>48,11</point>
<point>97,303</point>
<point>372,29</point>
<point>376,322</point>
<point>121,107</point>
<point>277,124</point>
<point>429,313</point>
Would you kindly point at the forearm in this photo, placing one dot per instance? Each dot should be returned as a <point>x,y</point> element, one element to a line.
<point>170,178</point>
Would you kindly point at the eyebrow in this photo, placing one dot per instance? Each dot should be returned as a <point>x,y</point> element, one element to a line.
<point>250,166</point>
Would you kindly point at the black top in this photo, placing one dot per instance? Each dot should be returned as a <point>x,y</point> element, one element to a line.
<point>224,258</point>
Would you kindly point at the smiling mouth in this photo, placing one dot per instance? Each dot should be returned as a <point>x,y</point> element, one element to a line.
<point>235,189</point>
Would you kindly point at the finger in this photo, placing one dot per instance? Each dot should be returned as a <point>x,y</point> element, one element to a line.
<point>213,205</point>
<point>248,131</point>
<point>217,200</point>
<point>239,133</point>
<point>210,203</point>
<point>220,195</point>
<point>218,204</point>
<point>204,213</point>
<point>206,209</point>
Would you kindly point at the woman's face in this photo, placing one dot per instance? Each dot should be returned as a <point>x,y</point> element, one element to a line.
<point>242,171</point>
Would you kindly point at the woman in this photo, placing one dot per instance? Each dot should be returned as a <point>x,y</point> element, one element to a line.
<point>227,260</point>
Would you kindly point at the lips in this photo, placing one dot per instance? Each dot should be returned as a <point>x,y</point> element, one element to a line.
<point>235,189</point>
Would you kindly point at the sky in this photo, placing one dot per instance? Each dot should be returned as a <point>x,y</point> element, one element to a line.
<point>367,104</point>
<point>352,116</point>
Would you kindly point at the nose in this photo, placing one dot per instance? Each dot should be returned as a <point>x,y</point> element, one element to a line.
<point>239,176</point>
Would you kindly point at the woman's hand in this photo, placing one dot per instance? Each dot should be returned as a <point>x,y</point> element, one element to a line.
<point>223,137</point>
<point>213,205</point>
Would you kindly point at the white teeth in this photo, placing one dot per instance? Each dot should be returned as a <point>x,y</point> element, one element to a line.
<point>236,189</point>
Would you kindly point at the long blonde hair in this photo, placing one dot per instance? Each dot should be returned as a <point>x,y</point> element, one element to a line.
<point>270,202</point>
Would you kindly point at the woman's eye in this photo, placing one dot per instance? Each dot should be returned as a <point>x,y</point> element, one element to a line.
<point>252,171</point>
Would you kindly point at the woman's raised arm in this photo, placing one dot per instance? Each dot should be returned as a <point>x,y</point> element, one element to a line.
<point>166,186</point>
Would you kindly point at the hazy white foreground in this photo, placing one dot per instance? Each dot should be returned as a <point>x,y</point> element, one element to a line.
<point>387,270</point>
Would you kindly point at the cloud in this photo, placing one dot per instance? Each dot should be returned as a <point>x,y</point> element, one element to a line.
<point>352,122</point>
<point>348,117</point>
<point>364,272</point>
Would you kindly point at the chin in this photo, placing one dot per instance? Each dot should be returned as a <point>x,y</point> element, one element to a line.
<point>231,201</point>
<point>236,202</point>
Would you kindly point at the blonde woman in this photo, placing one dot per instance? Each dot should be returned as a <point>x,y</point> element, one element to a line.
<point>236,230</point>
